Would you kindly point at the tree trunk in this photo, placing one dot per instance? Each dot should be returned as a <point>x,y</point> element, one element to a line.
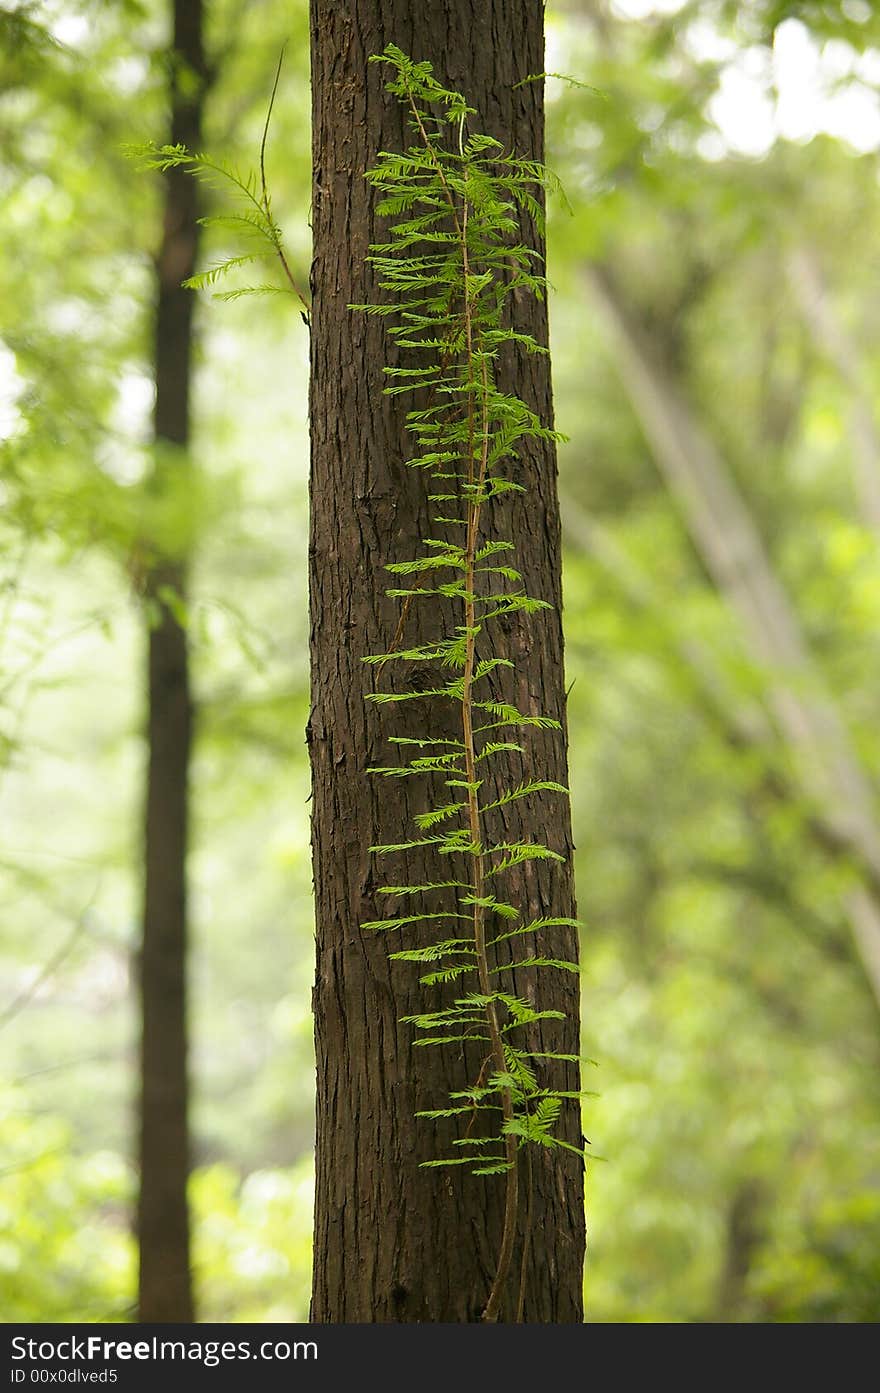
<point>394,1242</point>
<point>165,1289</point>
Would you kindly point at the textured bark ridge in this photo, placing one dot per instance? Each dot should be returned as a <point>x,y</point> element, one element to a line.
<point>165,1292</point>
<point>394,1242</point>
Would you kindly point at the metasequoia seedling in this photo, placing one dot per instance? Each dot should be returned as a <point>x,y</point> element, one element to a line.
<point>452,263</point>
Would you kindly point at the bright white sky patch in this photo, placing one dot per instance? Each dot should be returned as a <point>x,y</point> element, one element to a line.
<point>134,403</point>
<point>815,91</point>
<point>742,108</point>
<point>122,454</point>
<point>798,91</point>
<point>130,74</point>
<point>640,9</point>
<point>70,30</point>
<point>11,388</point>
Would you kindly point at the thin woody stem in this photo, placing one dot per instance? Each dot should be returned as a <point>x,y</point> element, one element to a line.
<point>266,203</point>
<point>475,500</point>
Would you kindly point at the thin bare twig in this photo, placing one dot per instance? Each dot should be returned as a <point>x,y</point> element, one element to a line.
<point>17,1005</point>
<point>276,238</point>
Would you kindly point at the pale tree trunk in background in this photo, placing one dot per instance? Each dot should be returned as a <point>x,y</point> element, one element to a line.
<point>165,1286</point>
<point>741,724</point>
<point>394,1242</point>
<point>746,722</point>
<point>831,336</point>
<point>726,537</point>
<point>835,343</point>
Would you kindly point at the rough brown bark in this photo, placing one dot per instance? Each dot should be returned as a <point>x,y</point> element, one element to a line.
<point>165,1287</point>
<point>394,1242</point>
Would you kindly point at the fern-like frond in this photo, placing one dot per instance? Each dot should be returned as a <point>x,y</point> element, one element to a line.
<point>422,889</point>
<point>381,925</point>
<point>561,963</point>
<point>430,1040</point>
<point>515,853</point>
<point>507,911</point>
<point>447,974</point>
<point>203,280</point>
<point>523,791</point>
<point>499,1163</point>
<point>434,952</point>
<point>536,926</point>
<point>436,815</point>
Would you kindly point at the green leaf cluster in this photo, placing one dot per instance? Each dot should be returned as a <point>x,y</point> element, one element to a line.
<point>455,256</point>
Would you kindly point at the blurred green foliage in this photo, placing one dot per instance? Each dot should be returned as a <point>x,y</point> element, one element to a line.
<point>735,1028</point>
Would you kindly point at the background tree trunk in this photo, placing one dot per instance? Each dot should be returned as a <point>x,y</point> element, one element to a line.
<point>833,340</point>
<point>394,1242</point>
<point>745,1230</point>
<point>725,535</point>
<point>165,1288</point>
